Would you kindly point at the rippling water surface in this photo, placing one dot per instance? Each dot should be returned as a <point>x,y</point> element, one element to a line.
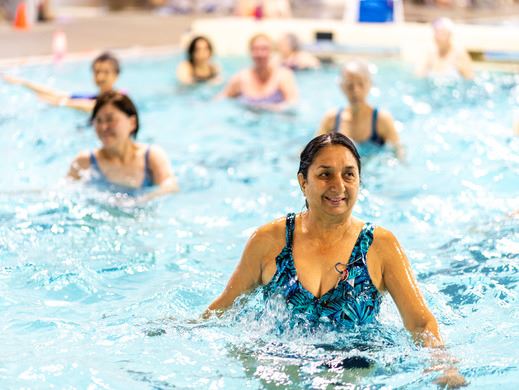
<point>97,293</point>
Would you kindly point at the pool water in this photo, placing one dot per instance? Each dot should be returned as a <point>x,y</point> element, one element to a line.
<point>96,293</point>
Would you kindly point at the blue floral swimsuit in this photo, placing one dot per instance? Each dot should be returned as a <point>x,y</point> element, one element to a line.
<point>354,301</point>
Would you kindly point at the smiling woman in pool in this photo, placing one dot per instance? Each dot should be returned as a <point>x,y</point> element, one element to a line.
<point>264,85</point>
<point>198,67</point>
<point>121,162</point>
<point>328,266</point>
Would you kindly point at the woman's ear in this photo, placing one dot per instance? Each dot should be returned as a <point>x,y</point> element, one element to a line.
<point>302,182</point>
<point>133,120</point>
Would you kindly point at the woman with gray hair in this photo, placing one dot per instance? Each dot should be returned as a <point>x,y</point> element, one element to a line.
<point>360,121</point>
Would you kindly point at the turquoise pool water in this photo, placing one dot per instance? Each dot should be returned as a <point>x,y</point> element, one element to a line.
<point>94,295</point>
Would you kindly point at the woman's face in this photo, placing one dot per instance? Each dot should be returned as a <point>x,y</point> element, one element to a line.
<point>113,127</point>
<point>202,51</point>
<point>260,51</point>
<point>442,36</point>
<point>105,75</point>
<point>355,86</point>
<point>333,181</point>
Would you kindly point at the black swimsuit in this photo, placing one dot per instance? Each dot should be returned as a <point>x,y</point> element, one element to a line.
<point>374,138</point>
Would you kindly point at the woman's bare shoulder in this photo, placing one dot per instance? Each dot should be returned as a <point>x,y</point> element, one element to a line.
<point>273,231</point>
<point>82,160</point>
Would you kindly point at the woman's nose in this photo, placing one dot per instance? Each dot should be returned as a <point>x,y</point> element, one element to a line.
<point>337,183</point>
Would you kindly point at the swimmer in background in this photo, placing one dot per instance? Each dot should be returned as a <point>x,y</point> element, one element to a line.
<point>198,67</point>
<point>360,121</point>
<point>445,57</point>
<point>293,57</point>
<point>328,267</point>
<point>121,163</point>
<point>105,69</point>
<point>264,85</point>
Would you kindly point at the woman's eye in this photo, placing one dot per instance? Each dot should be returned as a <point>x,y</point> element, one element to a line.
<point>324,174</point>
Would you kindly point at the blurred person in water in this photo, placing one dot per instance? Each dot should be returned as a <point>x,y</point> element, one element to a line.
<point>360,121</point>
<point>293,57</point>
<point>445,58</point>
<point>105,69</point>
<point>265,85</point>
<point>329,267</point>
<point>198,67</point>
<point>121,164</point>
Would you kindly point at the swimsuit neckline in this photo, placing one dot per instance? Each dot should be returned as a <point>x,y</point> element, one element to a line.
<point>292,265</point>
<point>146,181</point>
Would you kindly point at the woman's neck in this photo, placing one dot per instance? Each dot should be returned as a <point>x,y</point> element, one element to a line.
<point>123,152</point>
<point>326,227</point>
<point>263,73</point>
<point>444,50</point>
<point>358,109</point>
<point>201,65</point>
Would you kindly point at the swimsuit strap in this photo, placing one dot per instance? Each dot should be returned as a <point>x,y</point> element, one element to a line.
<point>374,117</point>
<point>93,161</point>
<point>361,247</point>
<point>375,138</point>
<point>289,233</point>
<point>148,174</point>
<point>147,159</point>
<point>212,74</point>
<point>337,120</point>
<point>94,165</point>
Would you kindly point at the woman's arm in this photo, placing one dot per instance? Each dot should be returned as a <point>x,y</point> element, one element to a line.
<point>37,88</point>
<point>398,279</point>
<point>464,64</point>
<point>425,64</point>
<point>247,274</point>
<point>387,130</point>
<point>78,166</point>
<point>56,98</point>
<point>233,87</point>
<point>185,73</point>
<point>162,173</point>
<point>327,122</point>
<point>85,105</point>
<point>288,87</point>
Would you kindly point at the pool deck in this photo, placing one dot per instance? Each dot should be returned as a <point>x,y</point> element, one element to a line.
<point>91,30</point>
<point>94,32</point>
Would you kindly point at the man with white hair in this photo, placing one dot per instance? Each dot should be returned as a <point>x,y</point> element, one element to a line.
<point>446,58</point>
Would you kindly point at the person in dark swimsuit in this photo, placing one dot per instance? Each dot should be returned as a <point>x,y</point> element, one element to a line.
<point>198,68</point>
<point>105,69</point>
<point>359,121</point>
<point>327,266</point>
<point>375,138</point>
<point>264,85</point>
<point>121,164</point>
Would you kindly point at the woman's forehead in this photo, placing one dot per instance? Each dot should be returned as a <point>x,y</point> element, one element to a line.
<point>354,75</point>
<point>334,155</point>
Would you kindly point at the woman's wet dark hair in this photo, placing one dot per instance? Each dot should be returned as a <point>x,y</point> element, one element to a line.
<point>121,102</point>
<point>192,46</point>
<point>108,57</point>
<point>314,147</point>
